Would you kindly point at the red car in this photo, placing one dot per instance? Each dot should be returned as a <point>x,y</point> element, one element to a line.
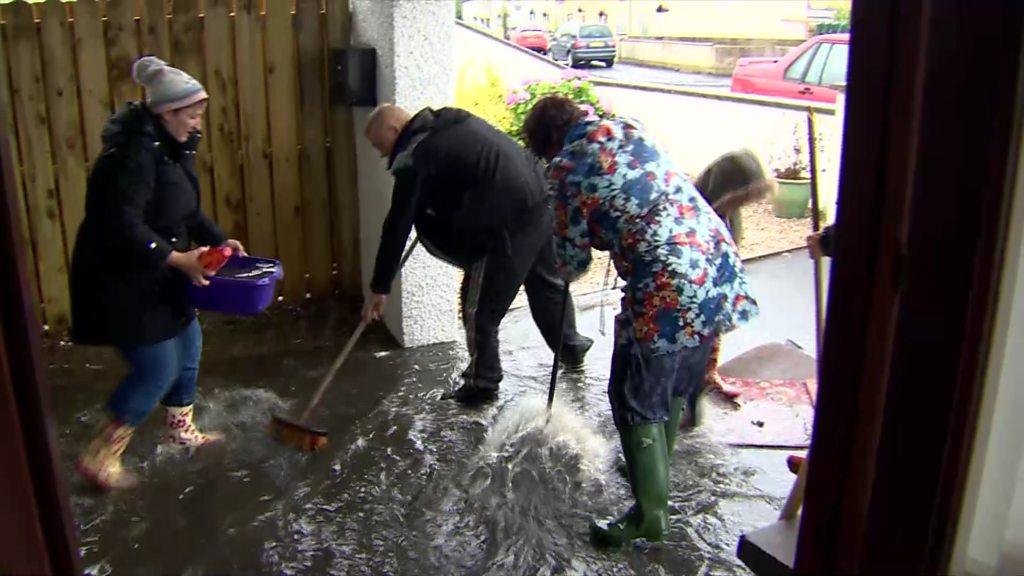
<point>807,72</point>
<point>531,38</point>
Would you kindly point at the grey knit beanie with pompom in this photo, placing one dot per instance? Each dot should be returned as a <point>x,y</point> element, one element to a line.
<point>167,88</point>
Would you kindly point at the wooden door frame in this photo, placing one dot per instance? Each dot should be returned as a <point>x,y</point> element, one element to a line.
<point>929,162</point>
<point>36,534</point>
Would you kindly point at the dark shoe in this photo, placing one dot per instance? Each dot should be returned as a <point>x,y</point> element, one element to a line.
<point>574,356</point>
<point>647,458</point>
<point>472,394</point>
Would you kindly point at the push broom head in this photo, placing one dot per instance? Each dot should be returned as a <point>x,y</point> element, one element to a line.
<point>291,433</point>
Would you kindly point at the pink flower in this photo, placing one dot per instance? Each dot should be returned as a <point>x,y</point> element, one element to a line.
<point>591,115</point>
<point>516,96</point>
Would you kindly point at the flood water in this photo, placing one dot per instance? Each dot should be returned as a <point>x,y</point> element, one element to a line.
<point>409,484</point>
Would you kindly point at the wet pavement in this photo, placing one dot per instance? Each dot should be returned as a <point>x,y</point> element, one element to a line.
<point>624,72</point>
<point>410,483</point>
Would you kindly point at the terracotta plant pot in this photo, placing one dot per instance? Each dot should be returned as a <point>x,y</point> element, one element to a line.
<point>792,198</point>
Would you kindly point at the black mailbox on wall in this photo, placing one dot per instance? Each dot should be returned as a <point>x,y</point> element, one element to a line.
<point>353,76</point>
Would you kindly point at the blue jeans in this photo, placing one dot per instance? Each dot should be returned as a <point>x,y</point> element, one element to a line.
<point>164,372</point>
<point>642,384</point>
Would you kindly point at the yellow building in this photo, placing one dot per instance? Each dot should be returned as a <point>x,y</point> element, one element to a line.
<point>692,19</point>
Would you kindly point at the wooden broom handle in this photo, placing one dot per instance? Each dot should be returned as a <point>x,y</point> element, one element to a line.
<point>348,347</point>
<point>796,493</point>
<point>334,369</point>
<point>819,312</point>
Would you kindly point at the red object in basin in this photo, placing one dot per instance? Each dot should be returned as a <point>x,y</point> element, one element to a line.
<point>214,258</point>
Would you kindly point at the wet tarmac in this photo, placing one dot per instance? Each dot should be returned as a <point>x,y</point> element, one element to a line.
<point>410,483</point>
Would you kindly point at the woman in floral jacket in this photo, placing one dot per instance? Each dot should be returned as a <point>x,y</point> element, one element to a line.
<point>615,191</point>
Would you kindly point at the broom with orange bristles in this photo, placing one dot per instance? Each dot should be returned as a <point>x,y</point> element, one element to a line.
<point>298,433</point>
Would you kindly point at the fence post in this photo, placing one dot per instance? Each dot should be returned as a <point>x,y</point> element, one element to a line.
<point>40,187</point>
<point>156,38</point>
<point>122,49</point>
<point>92,74</point>
<point>316,209</point>
<point>187,54</point>
<point>255,140</point>
<point>11,132</point>
<point>65,120</point>
<point>344,194</point>
<point>223,118</point>
<point>282,96</point>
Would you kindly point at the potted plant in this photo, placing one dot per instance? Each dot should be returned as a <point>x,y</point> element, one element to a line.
<point>793,195</point>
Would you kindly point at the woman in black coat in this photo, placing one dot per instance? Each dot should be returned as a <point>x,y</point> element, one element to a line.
<point>137,249</point>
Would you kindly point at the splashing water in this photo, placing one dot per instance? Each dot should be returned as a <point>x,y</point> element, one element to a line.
<point>409,484</point>
<point>527,422</point>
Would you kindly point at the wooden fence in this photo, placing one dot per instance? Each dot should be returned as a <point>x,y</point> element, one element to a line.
<point>276,164</point>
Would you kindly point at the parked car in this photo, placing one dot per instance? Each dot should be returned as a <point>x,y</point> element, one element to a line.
<point>575,43</point>
<point>532,38</point>
<point>808,72</point>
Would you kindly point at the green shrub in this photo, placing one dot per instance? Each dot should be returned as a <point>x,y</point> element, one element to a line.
<point>573,85</point>
<point>479,89</point>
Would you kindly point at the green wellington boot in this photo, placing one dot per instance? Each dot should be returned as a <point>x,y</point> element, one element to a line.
<point>671,429</point>
<point>675,414</point>
<point>647,459</point>
<point>692,415</point>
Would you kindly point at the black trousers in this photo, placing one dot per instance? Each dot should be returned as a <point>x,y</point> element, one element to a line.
<point>490,286</point>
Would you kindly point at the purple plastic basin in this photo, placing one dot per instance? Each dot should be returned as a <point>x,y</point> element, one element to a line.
<point>244,286</point>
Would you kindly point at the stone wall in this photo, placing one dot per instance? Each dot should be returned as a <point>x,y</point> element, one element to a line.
<point>696,55</point>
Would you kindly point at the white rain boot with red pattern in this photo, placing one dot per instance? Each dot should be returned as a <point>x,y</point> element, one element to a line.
<point>101,461</point>
<point>181,432</point>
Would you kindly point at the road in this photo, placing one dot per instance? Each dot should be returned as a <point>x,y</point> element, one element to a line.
<point>650,75</point>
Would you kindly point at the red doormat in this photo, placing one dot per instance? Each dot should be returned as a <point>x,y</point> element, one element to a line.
<point>768,413</point>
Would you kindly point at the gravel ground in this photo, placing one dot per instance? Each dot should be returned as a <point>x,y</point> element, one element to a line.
<point>763,234</point>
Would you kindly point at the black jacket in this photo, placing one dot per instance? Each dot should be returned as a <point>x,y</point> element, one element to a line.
<point>465,186</point>
<point>142,201</point>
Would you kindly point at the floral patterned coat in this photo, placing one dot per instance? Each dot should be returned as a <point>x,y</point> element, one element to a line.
<point>615,191</point>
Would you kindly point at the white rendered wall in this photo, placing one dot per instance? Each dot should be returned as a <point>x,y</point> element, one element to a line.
<point>415,69</point>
